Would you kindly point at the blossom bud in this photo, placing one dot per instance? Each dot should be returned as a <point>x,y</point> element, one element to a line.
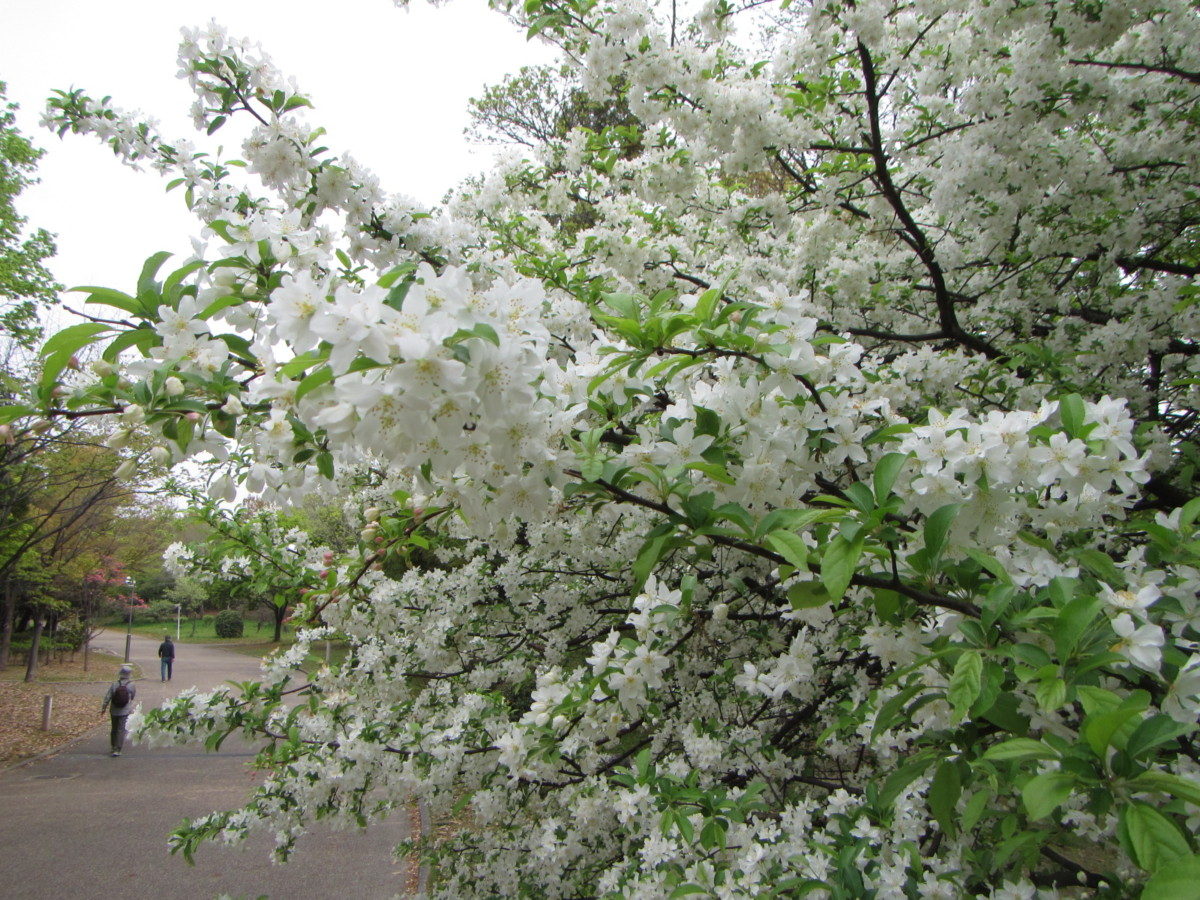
<point>58,391</point>
<point>173,386</point>
<point>127,468</point>
<point>192,417</point>
<point>6,434</point>
<point>133,415</point>
<point>103,367</point>
<point>368,534</point>
<point>118,439</point>
<point>720,612</point>
<point>233,406</point>
<point>371,514</point>
<point>161,455</point>
<point>73,363</point>
<point>327,557</point>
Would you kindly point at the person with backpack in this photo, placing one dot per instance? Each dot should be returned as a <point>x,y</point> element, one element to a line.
<point>119,702</point>
<point>166,656</point>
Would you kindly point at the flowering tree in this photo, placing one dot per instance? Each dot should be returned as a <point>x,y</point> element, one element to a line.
<point>812,516</point>
<point>255,555</point>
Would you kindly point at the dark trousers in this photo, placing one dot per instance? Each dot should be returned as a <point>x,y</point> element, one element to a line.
<point>165,667</point>
<point>117,738</point>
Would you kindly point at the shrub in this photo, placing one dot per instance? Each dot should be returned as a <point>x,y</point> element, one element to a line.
<point>228,624</point>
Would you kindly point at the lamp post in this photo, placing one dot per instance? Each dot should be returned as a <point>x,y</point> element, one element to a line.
<point>178,610</point>
<point>129,624</point>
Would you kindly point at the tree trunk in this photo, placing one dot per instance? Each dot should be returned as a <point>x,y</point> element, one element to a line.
<point>280,613</point>
<point>10,607</point>
<point>31,666</point>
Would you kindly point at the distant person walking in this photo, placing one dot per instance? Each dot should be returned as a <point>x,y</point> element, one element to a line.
<point>119,703</point>
<point>166,656</point>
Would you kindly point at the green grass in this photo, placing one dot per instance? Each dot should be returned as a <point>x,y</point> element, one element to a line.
<point>201,631</point>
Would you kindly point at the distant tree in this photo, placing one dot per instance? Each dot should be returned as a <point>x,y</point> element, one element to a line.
<point>25,283</point>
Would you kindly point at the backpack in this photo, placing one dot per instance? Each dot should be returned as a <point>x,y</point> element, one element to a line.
<point>120,695</point>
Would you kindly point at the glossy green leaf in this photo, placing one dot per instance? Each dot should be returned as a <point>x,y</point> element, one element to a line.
<point>1044,792</point>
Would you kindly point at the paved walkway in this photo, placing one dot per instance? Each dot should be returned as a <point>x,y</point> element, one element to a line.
<point>82,824</point>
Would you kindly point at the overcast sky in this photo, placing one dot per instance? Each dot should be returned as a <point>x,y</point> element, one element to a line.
<point>390,86</point>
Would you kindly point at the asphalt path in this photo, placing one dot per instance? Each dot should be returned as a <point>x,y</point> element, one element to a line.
<point>82,824</point>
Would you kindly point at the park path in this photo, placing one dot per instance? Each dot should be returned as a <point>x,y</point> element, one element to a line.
<point>83,824</point>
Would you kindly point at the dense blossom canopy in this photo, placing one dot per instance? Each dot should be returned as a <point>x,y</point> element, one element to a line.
<point>783,490</point>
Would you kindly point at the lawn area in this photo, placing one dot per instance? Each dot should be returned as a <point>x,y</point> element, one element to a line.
<point>200,631</point>
<point>255,641</point>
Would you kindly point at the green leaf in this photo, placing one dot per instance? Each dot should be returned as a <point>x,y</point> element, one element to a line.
<point>796,519</point>
<point>1050,693</point>
<point>706,304</point>
<point>1166,783</point>
<point>69,340</point>
<point>1074,619</point>
<point>147,287</point>
<point>886,470</point>
<point>1100,564</point>
<point>862,498</point>
<point>1154,841</point>
<point>1044,792</point>
<point>313,380</point>
<point>143,338</point>
<point>990,564</point>
<point>1154,732</point>
<point>1019,749</point>
<point>1070,410</point>
<point>966,681</point>
<point>791,547</point>
<point>937,527</point>
<point>110,297</point>
<point>651,552</point>
<point>176,277</point>
<point>807,595</point>
<point>943,795</point>
<point>325,465</point>
<point>838,564</point>
<point>12,412</point>
<point>1176,883</point>
<point>895,783</point>
<point>712,835</point>
<point>1103,730</point>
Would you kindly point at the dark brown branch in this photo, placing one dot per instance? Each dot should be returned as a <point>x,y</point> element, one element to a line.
<point>911,232</point>
<point>1193,77</point>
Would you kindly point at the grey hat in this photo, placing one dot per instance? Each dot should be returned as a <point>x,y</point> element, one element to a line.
<point>125,670</point>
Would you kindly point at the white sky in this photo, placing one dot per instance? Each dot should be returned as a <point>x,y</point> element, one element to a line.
<point>390,86</point>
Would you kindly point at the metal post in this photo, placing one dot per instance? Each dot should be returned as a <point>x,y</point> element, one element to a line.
<point>178,609</point>
<point>129,630</point>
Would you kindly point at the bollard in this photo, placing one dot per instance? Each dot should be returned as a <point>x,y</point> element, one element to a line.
<point>47,705</point>
<point>327,653</point>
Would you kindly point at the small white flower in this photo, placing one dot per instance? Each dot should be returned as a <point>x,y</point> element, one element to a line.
<point>1141,646</point>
